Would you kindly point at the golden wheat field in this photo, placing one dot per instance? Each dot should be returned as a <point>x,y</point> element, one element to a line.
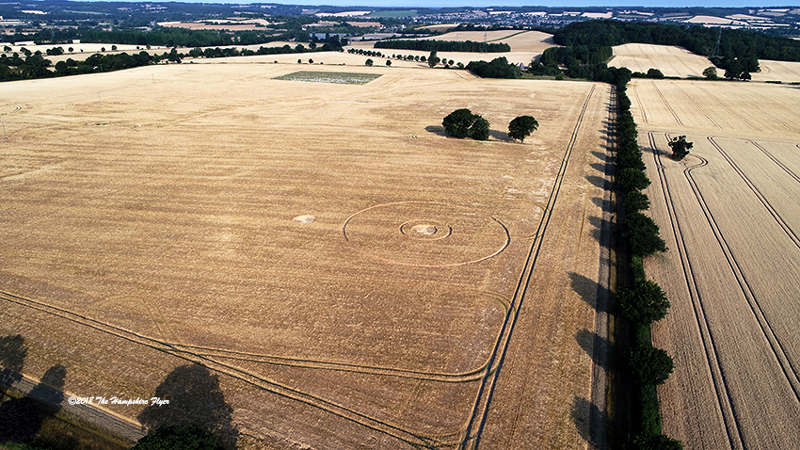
<point>525,46</point>
<point>671,61</point>
<point>317,258</point>
<point>730,217</point>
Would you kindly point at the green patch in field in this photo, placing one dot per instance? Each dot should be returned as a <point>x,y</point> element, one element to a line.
<point>398,13</point>
<point>329,77</point>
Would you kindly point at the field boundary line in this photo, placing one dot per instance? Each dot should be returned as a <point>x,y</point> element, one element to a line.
<point>723,400</point>
<point>486,391</point>
<point>666,103</point>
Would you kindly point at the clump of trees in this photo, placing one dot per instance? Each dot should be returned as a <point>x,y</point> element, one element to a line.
<point>680,148</point>
<point>462,123</point>
<point>521,127</point>
<point>497,68</point>
<point>710,73</point>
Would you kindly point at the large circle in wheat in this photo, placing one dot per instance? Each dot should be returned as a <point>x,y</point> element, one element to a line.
<point>426,234</point>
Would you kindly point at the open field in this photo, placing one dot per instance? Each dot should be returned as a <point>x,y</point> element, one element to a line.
<point>525,46</point>
<point>671,61</point>
<point>309,264</point>
<point>730,216</point>
<point>786,71</point>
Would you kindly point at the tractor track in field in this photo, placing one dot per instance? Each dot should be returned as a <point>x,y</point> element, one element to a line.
<point>666,103</point>
<point>723,402</point>
<point>789,372</point>
<point>411,438</point>
<point>480,412</point>
<point>778,219</point>
<point>776,161</point>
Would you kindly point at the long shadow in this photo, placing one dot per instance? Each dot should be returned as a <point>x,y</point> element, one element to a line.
<point>594,345</point>
<point>596,181</point>
<point>589,290</point>
<point>195,398</point>
<point>21,418</point>
<point>501,136</point>
<point>12,358</point>
<point>584,414</point>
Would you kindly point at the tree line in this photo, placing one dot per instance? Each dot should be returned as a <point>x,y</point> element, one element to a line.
<point>641,301</point>
<point>740,48</point>
<point>444,46</point>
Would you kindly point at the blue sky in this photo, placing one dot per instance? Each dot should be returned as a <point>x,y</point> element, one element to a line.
<point>565,3</point>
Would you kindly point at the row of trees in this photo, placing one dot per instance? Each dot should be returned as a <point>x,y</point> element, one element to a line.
<point>444,46</point>
<point>697,39</point>
<point>462,123</point>
<point>642,302</point>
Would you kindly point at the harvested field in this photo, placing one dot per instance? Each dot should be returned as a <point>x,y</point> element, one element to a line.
<point>671,61</point>
<point>309,265</point>
<point>731,220</point>
<point>525,45</point>
<point>785,71</point>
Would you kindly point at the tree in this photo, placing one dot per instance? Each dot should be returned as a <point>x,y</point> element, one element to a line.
<point>113,48</point>
<point>369,62</point>
<point>479,129</point>
<point>651,366</point>
<point>680,148</point>
<point>310,61</point>
<point>655,73</point>
<point>710,73</point>
<point>636,201</point>
<point>521,127</point>
<point>644,302</point>
<point>642,235</point>
<point>458,123</point>
<point>433,60</point>
<point>388,62</point>
<point>632,180</point>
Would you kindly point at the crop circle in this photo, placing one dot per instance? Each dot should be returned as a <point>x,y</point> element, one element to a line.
<point>426,234</point>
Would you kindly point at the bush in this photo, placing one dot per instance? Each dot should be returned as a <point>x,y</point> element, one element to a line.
<point>644,302</point>
<point>650,366</point>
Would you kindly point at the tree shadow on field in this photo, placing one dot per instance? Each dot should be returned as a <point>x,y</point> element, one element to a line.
<point>594,345</point>
<point>584,414</point>
<point>12,358</point>
<point>21,418</point>
<point>597,181</point>
<point>589,290</point>
<point>501,136</point>
<point>598,225</point>
<point>438,130</point>
<point>195,398</point>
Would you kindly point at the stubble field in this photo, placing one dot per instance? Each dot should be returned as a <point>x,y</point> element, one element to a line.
<point>309,264</point>
<point>730,216</point>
